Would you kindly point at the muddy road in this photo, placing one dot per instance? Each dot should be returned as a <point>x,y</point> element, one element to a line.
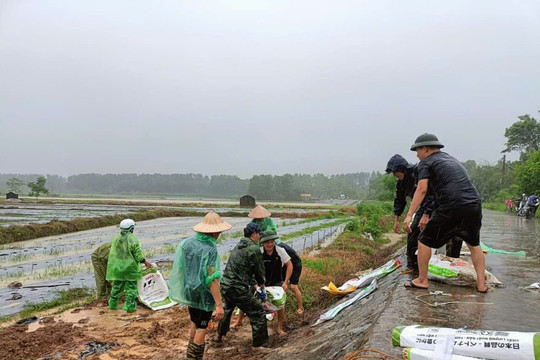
<point>369,323</point>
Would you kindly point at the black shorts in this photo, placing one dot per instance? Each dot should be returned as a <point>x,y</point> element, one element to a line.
<point>200,317</point>
<point>445,224</point>
<point>295,276</point>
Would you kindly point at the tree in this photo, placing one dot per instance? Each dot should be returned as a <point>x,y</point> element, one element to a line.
<point>528,174</point>
<point>38,187</point>
<point>523,136</point>
<point>15,185</point>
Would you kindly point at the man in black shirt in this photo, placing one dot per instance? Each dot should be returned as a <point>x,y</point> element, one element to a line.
<point>275,260</point>
<point>405,187</point>
<point>296,272</point>
<point>459,211</point>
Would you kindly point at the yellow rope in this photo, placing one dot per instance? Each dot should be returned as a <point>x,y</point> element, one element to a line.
<point>365,354</point>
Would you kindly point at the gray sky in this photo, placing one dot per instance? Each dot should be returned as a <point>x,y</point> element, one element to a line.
<point>251,87</point>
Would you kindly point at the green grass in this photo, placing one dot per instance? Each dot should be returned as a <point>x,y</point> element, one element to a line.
<point>311,229</point>
<point>321,267</point>
<point>494,206</point>
<point>226,236</point>
<point>56,252</point>
<point>63,300</point>
<point>53,271</point>
<point>163,249</point>
<point>20,257</point>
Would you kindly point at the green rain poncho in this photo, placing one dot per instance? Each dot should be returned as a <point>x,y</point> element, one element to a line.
<point>125,258</point>
<point>196,265</point>
<point>266,224</point>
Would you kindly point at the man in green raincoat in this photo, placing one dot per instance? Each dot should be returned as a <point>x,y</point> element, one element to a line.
<point>245,263</point>
<point>124,267</point>
<point>194,279</point>
<point>100,257</point>
<point>261,216</point>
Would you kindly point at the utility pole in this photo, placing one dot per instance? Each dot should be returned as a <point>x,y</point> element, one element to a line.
<point>503,168</point>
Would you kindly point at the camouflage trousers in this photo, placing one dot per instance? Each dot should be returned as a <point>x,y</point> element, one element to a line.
<point>103,287</point>
<point>252,307</point>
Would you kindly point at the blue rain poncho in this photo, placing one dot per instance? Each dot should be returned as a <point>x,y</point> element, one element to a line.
<point>125,258</point>
<point>196,265</point>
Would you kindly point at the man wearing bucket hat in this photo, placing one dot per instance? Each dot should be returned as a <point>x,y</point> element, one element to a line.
<point>275,259</point>
<point>124,266</point>
<point>294,278</point>
<point>262,217</point>
<point>407,174</point>
<point>195,279</point>
<point>459,211</point>
<point>245,263</point>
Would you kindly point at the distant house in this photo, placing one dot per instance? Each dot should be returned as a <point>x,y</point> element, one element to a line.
<point>12,195</point>
<point>247,201</point>
<point>306,197</point>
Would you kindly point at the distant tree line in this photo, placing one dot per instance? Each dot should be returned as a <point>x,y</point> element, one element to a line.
<point>262,187</point>
<point>319,186</point>
<point>495,182</point>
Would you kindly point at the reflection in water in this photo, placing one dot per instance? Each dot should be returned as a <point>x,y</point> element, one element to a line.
<point>512,309</point>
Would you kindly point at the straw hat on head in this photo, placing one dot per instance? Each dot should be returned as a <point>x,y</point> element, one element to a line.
<point>212,223</point>
<point>259,213</point>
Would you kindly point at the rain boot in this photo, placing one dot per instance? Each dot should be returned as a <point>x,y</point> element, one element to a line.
<point>193,351</point>
<point>113,304</point>
<point>130,306</point>
<point>199,351</point>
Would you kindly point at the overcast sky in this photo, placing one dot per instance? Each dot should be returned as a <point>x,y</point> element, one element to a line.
<point>251,87</point>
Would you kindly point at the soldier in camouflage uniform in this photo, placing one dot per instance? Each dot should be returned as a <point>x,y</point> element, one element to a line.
<point>100,258</point>
<point>245,263</point>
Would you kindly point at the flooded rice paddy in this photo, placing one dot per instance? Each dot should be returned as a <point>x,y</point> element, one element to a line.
<point>63,261</point>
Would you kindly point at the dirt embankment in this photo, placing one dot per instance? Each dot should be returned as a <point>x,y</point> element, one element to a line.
<point>163,335</point>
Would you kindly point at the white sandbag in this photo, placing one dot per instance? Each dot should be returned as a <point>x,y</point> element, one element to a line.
<point>276,296</point>
<point>456,271</point>
<point>420,354</point>
<point>487,344</point>
<point>153,290</point>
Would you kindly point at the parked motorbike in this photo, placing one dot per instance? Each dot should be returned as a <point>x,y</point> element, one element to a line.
<point>528,210</point>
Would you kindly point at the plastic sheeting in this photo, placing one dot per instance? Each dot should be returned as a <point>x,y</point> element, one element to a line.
<point>330,314</point>
<point>488,249</point>
<point>362,281</point>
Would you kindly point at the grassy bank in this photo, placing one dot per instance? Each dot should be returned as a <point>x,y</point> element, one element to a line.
<point>494,206</point>
<point>62,301</point>
<point>16,233</point>
<point>350,253</point>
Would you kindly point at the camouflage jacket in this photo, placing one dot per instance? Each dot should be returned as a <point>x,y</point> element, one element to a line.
<point>245,263</point>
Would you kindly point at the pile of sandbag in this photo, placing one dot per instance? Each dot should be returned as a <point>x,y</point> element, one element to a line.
<point>456,272</point>
<point>425,343</point>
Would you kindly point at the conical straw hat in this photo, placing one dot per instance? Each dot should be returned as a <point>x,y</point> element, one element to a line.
<point>259,213</point>
<point>212,223</point>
